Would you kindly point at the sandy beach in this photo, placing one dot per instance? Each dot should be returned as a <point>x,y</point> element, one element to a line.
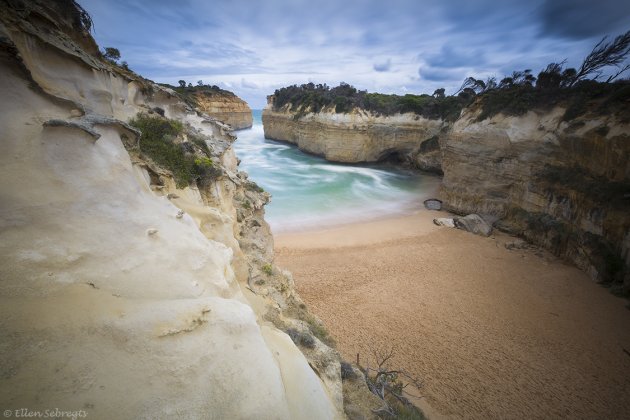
<point>493,332</point>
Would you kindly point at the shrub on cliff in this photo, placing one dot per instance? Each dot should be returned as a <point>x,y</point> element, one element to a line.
<point>189,92</point>
<point>112,54</point>
<point>587,95</point>
<point>344,98</point>
<point>187,162</point>
<point>556,85</point>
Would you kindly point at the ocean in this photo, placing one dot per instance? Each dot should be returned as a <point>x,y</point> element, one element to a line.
<point>309,193</point>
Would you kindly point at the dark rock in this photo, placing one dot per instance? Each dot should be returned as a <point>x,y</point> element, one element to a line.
<point>433,204</point>
<point>347,371</point>
<point>473,223</point>
<point>187,147</point>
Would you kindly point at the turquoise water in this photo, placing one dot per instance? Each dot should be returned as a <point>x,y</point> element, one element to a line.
<point>309,192</point>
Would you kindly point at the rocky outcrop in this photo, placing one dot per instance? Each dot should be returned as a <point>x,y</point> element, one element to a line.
<point>122,294</point>
<point>358,136</point>
<point>563,185</point>
<point>225,107</point>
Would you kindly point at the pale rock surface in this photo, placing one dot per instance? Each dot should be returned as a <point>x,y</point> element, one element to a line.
<point>558,184</point>
<point>230,109</point>
<point>444,221</point>
<point>359,136</point>
<point>120,296</point>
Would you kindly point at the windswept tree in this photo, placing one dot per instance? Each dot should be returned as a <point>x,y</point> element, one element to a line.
<point>551,76</point>
<point>491,83</point>
<point>518,78</point>
<point>605,54</point>
<point>472,85</point>
<point>182,83</point>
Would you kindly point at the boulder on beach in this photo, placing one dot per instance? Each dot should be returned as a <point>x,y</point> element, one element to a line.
<point>473,223</point>
<point>444,221</point>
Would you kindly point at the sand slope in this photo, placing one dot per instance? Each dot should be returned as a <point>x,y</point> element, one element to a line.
<point>494,333</point>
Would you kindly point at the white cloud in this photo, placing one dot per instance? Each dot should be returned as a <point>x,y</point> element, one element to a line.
<point>254,48</point>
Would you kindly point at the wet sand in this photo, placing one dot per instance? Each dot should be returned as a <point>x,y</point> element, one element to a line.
<point>493,333</point>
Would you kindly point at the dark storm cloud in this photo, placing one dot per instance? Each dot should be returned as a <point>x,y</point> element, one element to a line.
<point>581,19</point>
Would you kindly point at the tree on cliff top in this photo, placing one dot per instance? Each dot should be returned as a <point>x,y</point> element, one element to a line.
<point>605,55</point>
<point>112,54</point>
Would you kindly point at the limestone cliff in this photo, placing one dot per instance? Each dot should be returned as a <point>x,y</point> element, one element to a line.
<point>358,136</point>
<point>563,185</point>
<point>224,106</point>
<point>123,293</point>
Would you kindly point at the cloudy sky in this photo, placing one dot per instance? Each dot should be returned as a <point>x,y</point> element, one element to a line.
<point>253,47</point>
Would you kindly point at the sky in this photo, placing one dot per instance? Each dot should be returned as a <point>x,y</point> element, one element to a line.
<point>253,47</point>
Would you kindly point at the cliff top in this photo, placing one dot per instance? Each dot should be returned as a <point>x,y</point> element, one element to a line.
<point>587,96</point>
<point>345,98</point>
<point>193,95</point>
<point>189,89</point>
<point>579,90</point>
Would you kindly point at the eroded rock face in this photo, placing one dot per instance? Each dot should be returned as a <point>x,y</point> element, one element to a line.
<point>230,109</point>
<point>359,136</point>
<point>122,294</point>
<point>559,184</point>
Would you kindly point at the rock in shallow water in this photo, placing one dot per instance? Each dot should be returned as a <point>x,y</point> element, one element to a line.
<point>433,204</point>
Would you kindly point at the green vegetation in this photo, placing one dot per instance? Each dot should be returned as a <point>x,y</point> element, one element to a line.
<point>111,54</point>
<point>557,85</point>
<point>267,269</point>
<point>314,325</point>
<point>319,331</point>
<point>252,186</point>
<point>188,92</point>
<point>81,19</point>
<point>158,142</point>
<point>345,97</point>
<point>200,87</point>
<point>587,95</point>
